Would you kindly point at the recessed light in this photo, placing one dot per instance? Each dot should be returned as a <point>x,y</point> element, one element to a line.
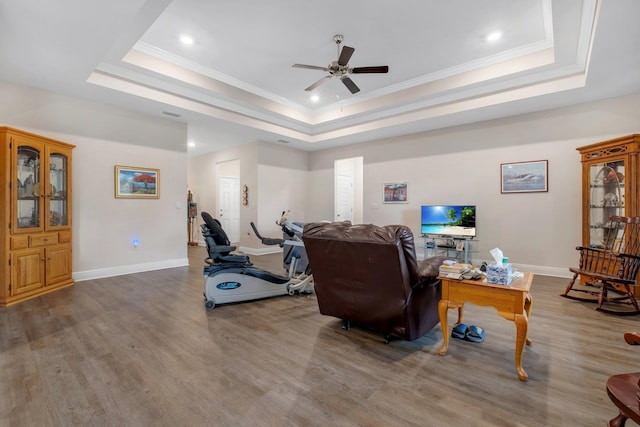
<point>496,35</point>
<point>315,98</point>
<point>188,40</point>
<point>191,144</point>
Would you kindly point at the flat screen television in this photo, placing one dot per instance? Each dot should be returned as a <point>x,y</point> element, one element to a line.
<point>449,220</point>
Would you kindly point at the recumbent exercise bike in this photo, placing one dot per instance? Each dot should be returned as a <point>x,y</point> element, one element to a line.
<point>233,278</point>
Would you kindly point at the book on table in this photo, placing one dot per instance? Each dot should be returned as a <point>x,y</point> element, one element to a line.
<point>454,270</point>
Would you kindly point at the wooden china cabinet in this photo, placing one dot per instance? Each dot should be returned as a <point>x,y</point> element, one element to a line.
<point>35,189</point>
<point>610,173</point>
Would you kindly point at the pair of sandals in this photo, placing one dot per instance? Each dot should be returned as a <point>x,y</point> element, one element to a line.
<point>468,333</point>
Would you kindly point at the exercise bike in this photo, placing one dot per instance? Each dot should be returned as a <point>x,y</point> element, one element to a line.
<point>233,278</point>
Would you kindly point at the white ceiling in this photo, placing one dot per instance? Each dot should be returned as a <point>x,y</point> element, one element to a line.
<point>236,83</point>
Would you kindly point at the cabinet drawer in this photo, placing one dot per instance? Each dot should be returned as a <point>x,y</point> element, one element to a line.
<point>19,242</point>
<point>39,240</point>
<point>64,236</point>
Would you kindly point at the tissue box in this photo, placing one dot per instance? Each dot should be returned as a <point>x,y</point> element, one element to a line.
<point>499,274</point>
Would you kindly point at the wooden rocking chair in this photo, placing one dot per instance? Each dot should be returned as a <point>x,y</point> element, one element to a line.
<point>612,270</point>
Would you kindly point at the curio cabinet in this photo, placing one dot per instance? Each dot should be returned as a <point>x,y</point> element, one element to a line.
<point>609,187</point>
<point>36,215</point>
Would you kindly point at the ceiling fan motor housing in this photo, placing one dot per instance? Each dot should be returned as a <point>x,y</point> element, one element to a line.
<point>337,69</point>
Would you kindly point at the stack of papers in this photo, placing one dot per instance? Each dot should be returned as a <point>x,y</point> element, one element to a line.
<point>454,269</point>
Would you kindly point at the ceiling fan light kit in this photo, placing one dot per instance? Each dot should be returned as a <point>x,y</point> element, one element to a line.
<point>340,68</point>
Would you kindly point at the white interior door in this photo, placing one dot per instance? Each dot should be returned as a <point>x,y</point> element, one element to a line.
<point>344,198</point>
<point>229,206</point>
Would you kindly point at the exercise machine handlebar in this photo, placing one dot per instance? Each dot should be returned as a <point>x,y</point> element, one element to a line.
<point>267,240</point>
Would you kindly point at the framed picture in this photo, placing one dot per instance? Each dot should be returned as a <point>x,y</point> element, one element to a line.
<point>137,183</point>
<point>395,192</point>
<point>524,177</point>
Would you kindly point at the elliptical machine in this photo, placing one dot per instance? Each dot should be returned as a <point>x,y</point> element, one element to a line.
<point>294,256</point>
<point>233,278</point>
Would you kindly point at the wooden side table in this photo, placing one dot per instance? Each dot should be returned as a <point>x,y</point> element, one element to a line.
<point>513,302</point>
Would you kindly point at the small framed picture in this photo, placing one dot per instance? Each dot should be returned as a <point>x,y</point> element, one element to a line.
<point>524,177</point>
<point>136,183</point>
<point>395,192</point>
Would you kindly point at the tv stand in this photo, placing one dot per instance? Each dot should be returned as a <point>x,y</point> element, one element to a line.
<point>453,247</point>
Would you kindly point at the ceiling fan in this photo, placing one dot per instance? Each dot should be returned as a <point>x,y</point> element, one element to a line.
<point>340,68</point>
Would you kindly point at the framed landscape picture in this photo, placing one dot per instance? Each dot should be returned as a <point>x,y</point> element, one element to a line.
<point>395,192</point>
<point>524,177</point>
<point>137,183</point>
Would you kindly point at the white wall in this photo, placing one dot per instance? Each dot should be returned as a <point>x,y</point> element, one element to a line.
<point>281,189</point>
<point>203,183</point>
<point>457,165</point>
<point>277,180</point>
<point>229,168</point>
<point>103,226</point>
<point>283,181</point>
<point>538,231</point>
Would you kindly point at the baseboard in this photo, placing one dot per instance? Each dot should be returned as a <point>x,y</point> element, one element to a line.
<point>545,271</point>
<point>79,276</point>
<point>260,251</point>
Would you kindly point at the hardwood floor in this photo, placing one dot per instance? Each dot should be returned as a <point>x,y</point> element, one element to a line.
<point>140,350</point>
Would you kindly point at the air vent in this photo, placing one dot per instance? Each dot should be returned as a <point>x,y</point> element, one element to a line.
<point>283,141</point>
<point>171,113</point>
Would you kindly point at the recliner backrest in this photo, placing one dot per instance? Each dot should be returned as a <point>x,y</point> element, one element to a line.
<point>369,275</point>
<point>363,265</point>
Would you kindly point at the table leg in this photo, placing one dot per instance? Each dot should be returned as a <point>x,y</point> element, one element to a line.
<point>528,302</point>
<point>522,324</point>
<point>460,307</point>
<point>443,307</point>
<point>618,421</point>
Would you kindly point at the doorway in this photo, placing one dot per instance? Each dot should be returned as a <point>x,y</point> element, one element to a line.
<point>348,204</point>
<point>344,198</point>
<point>228,200</point>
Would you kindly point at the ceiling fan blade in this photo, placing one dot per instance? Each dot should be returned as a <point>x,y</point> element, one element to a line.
<point>345,55</point>
<point>378,69</point>
<point>318,83</point>
<point>310,67</point>
<point>350,85</point>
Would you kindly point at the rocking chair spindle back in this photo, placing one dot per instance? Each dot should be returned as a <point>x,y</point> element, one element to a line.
<point>611,269</point>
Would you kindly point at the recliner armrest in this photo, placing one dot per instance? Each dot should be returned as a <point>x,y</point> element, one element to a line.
<point>429,268</point>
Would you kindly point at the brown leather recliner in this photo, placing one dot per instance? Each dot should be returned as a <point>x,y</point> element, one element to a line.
<point>369,275</point>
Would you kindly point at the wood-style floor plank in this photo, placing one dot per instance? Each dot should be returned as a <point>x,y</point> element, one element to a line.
<point>141,350</point>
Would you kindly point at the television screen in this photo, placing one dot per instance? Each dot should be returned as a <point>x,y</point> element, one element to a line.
<point>454,220</point>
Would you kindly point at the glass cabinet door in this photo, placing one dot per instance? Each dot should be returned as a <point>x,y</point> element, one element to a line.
<point>28,188</point>
<point>607,181</point>
<point>57,213</point>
